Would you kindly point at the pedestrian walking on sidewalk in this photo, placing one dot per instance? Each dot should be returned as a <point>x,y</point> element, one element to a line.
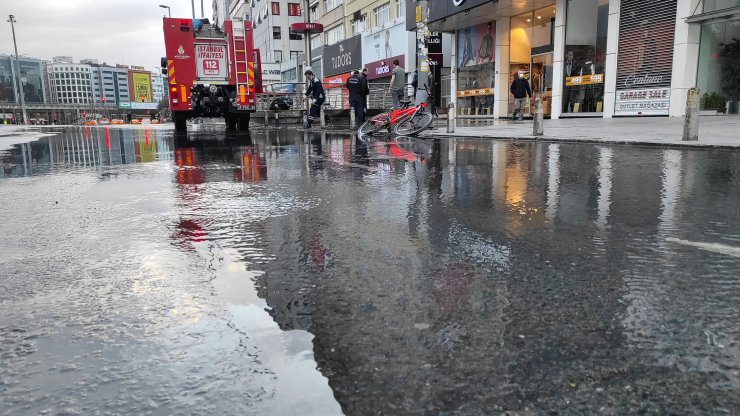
<point>316,91</point>
<point>356,88</point>
<point>398,84</point>
<point>520,89</point>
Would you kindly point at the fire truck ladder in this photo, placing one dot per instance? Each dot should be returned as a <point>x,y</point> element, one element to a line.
<point>239,46</point>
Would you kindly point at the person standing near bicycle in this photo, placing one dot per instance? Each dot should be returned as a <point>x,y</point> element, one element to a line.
<point>316,91</point>
<point>356,96</point>
<point>398,84</point>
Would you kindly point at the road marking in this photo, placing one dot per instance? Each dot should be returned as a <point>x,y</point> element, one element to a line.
<point>717,248</point>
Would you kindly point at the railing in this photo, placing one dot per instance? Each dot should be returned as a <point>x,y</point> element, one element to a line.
<point>293,92</point>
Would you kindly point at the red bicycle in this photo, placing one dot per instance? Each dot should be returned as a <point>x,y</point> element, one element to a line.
<point>405,121</point>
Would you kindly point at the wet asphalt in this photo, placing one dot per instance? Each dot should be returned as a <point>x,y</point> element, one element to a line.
<point>285,272</point>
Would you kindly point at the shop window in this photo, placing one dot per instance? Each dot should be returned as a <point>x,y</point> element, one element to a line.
<point>718,77</point>
<point>585,55</point>
<point>294,9</point>
<point>476,69</point>
<point>382,14</point>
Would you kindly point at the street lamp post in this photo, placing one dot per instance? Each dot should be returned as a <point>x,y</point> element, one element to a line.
<point>18,74</point>
<point>169,13</point>
<point>192,4</point>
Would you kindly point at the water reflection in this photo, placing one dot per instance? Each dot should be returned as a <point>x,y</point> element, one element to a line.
<point>460,276</point>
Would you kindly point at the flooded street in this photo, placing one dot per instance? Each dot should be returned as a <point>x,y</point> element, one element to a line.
<point>292,273</point>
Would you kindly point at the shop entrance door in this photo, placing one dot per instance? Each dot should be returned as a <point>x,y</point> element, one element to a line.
<point>541,80</point>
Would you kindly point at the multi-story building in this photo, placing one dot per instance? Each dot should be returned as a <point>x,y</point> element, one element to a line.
<point>70,83</point>
<point>271,21</point>
<point>110,83</point>
<point>31,79</point>
<point>159,86</point>
<point>588,58</point>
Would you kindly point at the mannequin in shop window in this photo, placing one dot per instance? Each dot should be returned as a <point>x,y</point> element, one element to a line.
<point>571,92</point>
<point>587,91</point>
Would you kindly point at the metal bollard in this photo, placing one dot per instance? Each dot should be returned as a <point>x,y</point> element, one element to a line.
<point>450,117</point>
<point>322,118</point>
<point>351,117</point>
<point>267,117</point>
<point>691,121</point>
<point>538,128</point>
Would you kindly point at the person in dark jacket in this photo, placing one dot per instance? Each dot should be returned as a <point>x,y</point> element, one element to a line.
<point>520,89</point>
<point>366,90</point>
<point>316,91</point>
<point>356,89</point>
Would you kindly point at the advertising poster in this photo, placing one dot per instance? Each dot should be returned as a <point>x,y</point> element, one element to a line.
<point>476,45</point>
<point>30,78</point>
<point>141,82</point>
<point>645,57</point>
<point>385,44</point>
<point>342,56</point>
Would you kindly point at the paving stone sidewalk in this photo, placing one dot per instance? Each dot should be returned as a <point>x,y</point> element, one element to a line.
<point>714,131</point>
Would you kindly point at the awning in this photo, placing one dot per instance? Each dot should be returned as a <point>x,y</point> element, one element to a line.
<point>724,15</point>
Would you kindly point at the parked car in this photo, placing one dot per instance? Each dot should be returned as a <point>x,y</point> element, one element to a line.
<point>135,121</point>
<point>89,123</point>
<point>103,121</point>
<point>117,121</point>
<point>146,121</point>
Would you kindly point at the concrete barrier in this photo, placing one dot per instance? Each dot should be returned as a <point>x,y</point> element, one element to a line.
<point>450,117</point>
<point>691,121</point>
<point>538,127</point>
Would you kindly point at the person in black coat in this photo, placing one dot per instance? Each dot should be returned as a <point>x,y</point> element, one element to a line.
<point>316,91</point>
<point>363,78</point>
<point>357,89</point>
<point>520,89</point>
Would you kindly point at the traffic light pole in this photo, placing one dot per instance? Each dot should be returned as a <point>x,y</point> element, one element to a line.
<point>21,93</point>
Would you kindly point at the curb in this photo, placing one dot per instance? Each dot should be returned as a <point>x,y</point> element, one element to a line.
<point>550,139</point>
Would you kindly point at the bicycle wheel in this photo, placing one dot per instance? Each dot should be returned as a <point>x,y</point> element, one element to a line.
<point>414,125</point>
<point>374,124</point>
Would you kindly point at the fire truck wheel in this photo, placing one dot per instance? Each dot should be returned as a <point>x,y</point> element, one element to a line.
<point>243,122</point>
<point>180,122</point>
<point>230,122</point>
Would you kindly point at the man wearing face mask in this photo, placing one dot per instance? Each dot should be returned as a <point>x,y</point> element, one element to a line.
<point>520,89</point>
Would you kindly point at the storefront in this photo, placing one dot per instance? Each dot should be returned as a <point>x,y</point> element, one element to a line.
<point>381,47</point>
<point>718,77</point>
<point>600,58</point>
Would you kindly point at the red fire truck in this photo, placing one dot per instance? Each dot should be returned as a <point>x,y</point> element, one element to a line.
<point>211,72</point>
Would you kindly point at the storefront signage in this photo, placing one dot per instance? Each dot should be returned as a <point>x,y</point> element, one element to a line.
<point>271,72</point>
<point>343,56</point>
<point>306,27</point>
<point>584,80</point>
<point>418,14</point>
<point>475,93</point>
<point>384,67</point>
<point>645,60</point>
<point>336,81</point>
<point>654,101</point>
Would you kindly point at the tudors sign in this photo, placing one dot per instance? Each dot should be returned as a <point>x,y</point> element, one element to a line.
<point>343,56</point>
<point>383,68</point>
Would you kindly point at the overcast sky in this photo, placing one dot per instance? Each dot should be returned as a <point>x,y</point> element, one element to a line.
<point>113,31</point>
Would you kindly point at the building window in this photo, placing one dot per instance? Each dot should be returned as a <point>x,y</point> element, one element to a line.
<point>295,36</point>
<point>315,41</point>
<point>278,56</point>
<point>275,8</point>
<point>276,33</point>
<point>332,4</point>
<point>382,14</point>
<point>294,54</point>
<point>400,8</point>
<point>359,25</point>
<point>315,13</point>
<point>294,9</point>
<point>335,35</point>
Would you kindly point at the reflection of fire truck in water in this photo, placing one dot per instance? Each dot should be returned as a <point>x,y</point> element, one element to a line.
<point>250,166</point>
<point>211,72</point>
